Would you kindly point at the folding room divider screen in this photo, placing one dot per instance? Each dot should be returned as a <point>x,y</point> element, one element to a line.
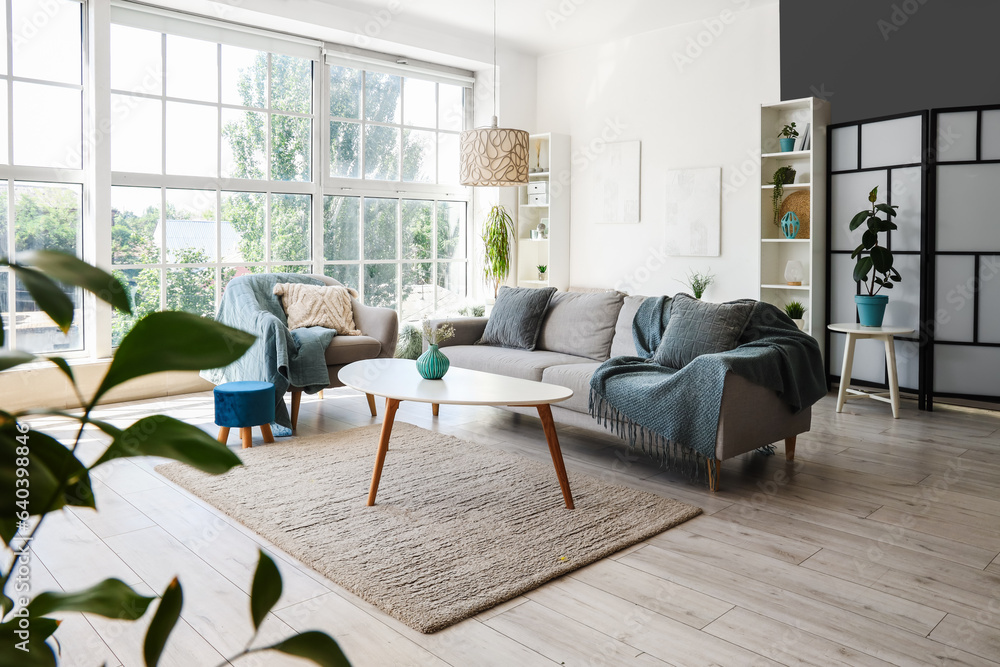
<point>947,247</point>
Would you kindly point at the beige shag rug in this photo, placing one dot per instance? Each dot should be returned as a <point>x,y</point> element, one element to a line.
<point>457,527</point>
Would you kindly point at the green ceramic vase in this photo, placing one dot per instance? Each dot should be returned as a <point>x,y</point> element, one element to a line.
<point>432,364</point>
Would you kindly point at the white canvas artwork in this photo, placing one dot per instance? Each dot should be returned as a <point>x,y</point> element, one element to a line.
<point>693,212</point>
<point>616,191</point>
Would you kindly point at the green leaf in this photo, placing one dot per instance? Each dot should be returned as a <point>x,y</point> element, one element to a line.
<point>160,435</point>
<point>71,270</point>
<point>862,268</point>
<point>888,210</point>
<point>894,274</point>
<point>64,367</point>
<point>12,358</point>
<point>6,604</point>
<point>39,653</point>
<point>858,251</point>
<point>265,590</point>
<point>173,341</point>
<point>885,283</point>
<point>49,297</point>
<point>110,598</point>
<point>869,239</point>
<point>873,223</point>
<point>164,620</point>
<point>873,195</point>
<point>316,646</point>
<point>858,219</point>
<point>107,428</point>
<point>881,259</point>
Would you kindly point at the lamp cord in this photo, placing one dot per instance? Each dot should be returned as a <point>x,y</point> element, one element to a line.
<point>495,70</point>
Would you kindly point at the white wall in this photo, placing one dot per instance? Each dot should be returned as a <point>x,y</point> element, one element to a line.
<point>691,105</point>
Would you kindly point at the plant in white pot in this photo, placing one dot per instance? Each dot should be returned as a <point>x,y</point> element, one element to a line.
<point>874,259</point>
<point>796,311</point>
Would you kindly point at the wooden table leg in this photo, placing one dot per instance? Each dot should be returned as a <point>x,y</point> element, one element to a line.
<point>224,434</point>
<point>545,413</point>
<point>890,359</point>
<point>845,373</point>
<point>383,446</point>
<point>371,405</point>
<point>247,434</point>
<point>435,408</point>
<point>265,430</point>
<point>296,399</point>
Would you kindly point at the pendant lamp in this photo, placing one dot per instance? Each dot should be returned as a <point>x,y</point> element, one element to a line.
<point>492,156</point>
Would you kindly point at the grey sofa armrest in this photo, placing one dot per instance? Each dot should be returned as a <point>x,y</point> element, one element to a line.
<point>381,324</point>
<point>468,330</point>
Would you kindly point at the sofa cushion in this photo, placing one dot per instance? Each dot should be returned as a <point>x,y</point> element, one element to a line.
<point>505,361</point>
<point>577,378</point>
<point>623,344</point>
<point>581,323</point>
<point>699,327</point>
<point>348,349</point>
<point>516,317</point>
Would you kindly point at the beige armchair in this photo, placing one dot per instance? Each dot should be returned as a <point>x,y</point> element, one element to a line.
<point>380,333</point>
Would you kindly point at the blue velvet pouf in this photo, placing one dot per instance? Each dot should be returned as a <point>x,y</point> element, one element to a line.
<point>243,405</point>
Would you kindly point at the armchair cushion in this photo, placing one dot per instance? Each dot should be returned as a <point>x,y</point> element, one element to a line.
<point>318,306</point>
<point>348,349</point>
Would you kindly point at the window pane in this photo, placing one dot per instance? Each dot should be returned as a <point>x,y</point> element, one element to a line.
<point>47,216</point>
<point>418,223</point>
<point>381,153</point>
<point>380,228</point>
<point>192,69</point>
<point>347,274</point>
<point>419,103</point>
<point>292,268</point>
<point>345,92</point>
<point>418,291</point>
<point>135,221</point>
<point>230,272</point>
<point>243,226</point>
<point>244,77</point>
<point>143,287</point>
<point>451,230</point>
<point>47,39</point>
<point>191,290</point>
<point>448,159</point>
<point>380,285</point>
<point>381,97</point>
<point>345,149</point>
<point>5,306</point>
<point>3,222</point>
<point>291,140</point>
<point>290,227</point>
<point>4,145</point>
<point>36,332</point>
<point>341,222</point>
<point>418,156</point>
<point>3,63</point>
<point>452,281</point>
<point>47,122</point>
<point>136,134</point>
<point>244,144</point>
<point>136,60</point>
<point>291,83</point>
<point>192,133</point>
<point>191,227</point>
<point>451,112</point>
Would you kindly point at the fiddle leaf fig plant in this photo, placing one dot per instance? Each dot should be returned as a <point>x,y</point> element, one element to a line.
<point>872,258</point>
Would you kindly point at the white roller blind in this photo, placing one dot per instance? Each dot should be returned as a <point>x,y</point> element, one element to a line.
<point>346,56</point>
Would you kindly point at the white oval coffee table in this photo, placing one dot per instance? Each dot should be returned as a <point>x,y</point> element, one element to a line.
<point>398,380</point>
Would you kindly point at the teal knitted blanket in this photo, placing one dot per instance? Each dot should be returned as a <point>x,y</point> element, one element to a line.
<point>673,415</point>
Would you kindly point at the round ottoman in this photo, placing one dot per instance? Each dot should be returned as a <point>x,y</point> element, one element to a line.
<point>244,405</point>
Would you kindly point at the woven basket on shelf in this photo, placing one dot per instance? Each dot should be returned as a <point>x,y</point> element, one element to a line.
<point>798,203</point>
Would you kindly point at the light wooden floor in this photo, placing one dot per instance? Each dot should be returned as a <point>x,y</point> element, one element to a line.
<point>878,546</point>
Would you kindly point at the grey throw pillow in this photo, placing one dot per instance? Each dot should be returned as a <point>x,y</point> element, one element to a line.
<point>698,327</point>
<point>581,323</point>
<point>516,317</point>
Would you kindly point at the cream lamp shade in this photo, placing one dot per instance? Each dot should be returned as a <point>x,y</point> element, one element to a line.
<point>494,156</point>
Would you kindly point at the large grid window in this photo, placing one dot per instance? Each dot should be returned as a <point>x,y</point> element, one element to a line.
<point>212,168</point>
<point>41,157</point>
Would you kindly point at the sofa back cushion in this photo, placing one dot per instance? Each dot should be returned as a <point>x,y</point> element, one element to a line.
<point>517,317</point>
<point>581,323</point>
<point>698,327</point>
<point>623,344</point>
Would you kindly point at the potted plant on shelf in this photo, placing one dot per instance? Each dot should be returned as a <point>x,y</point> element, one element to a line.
<point>497,233</point>
<point>787,137</point>
<point>432,364</point>
<point>543,272</point>
<point>782,176</point>
<point>796,311</point>
<point>873,259</point>
<point>698,282</point>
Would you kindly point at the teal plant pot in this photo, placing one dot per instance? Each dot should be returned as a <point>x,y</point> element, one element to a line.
<point>790,225</point>
<point>432,364</point>
<point>871,309</point>
<point>787,144</point>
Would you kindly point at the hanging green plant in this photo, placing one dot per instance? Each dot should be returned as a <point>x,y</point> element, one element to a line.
<point>497,234</point>
<point>783,176</point>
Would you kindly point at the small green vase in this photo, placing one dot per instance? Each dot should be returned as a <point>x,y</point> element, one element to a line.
<point>432,364</point>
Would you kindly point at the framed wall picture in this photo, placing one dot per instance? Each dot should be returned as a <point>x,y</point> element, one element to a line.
<point>693,212</point>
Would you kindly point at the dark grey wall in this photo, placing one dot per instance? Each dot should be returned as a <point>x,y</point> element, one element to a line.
<point>878,57</point>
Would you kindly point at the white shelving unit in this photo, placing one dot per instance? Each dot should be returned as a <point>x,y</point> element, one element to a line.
<point>548,156</point>
<point>775,250</point>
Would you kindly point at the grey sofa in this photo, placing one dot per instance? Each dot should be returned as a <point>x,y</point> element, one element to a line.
<point>581,331</point>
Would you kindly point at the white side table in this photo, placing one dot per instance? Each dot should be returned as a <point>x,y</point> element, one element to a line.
<point>857,332</point>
